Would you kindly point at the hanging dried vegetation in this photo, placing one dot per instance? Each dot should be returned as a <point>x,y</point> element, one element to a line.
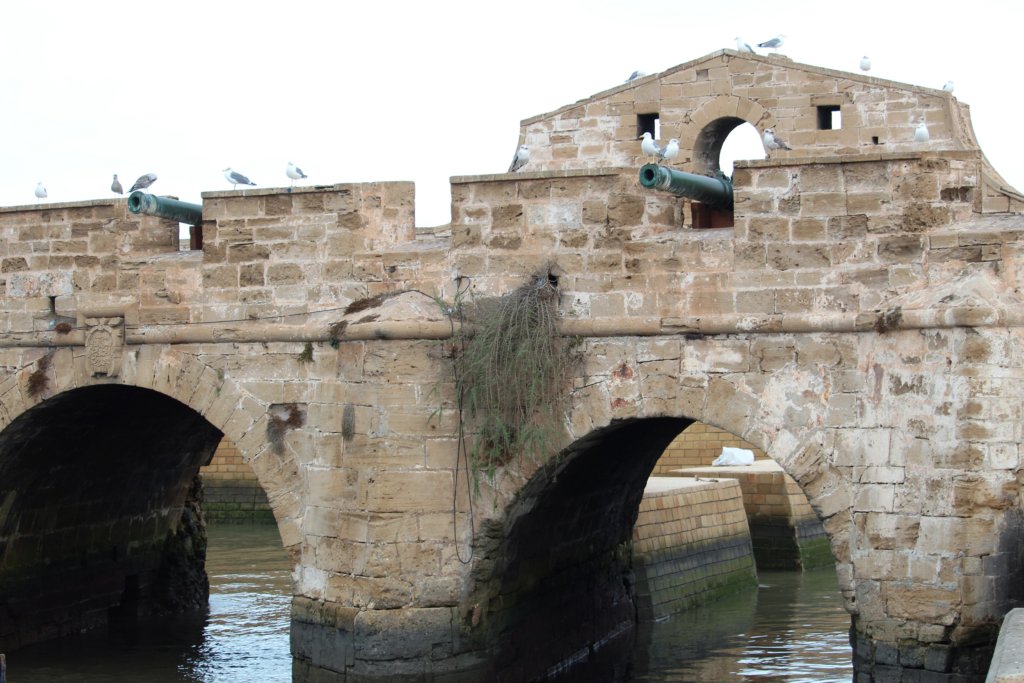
<point>512,372</point>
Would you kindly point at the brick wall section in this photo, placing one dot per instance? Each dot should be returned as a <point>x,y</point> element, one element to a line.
<point>700,101</point>
<point>785,531</point>
<point>232,492</point>
<point>83,253</point>
<point>267,253</point>
<point>691,544</point>
<point>697,446</point>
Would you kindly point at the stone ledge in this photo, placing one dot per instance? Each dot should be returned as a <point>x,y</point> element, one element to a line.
<point>50,206</point>
<point>308,189</point>
<point>1008,660</point>
<point>541,175</point>
<point>858,158</point>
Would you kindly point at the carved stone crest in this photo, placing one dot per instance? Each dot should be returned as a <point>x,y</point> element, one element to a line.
<point>104,338</point>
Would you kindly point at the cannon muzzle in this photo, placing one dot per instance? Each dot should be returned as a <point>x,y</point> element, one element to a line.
<point>164,207</point>
<point>715,192</point>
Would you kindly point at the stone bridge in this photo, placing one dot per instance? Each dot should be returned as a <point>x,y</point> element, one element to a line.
<point>860,322</point>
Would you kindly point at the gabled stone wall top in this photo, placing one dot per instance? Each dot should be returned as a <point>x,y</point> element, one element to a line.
<point>701,101</point>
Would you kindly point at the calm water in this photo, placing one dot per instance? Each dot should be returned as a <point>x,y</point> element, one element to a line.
<point>243,639</point>
<point>792,629</point>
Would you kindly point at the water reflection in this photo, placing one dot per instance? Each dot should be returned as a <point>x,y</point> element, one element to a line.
<point>243,638</point>
<point>793,628</point>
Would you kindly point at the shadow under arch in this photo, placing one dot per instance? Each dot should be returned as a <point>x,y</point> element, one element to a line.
<point>554,577</point>
<point>92,474</point>
<point>184,378</point>
<point>97,487</point>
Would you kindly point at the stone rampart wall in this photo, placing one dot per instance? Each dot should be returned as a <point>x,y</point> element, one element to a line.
<point>231,490</point>
<point>87,254</point>
<point>691,545</point>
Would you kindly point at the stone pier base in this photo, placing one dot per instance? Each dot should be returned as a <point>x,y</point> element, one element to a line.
<point>332,644</point>
<point>907,662</point>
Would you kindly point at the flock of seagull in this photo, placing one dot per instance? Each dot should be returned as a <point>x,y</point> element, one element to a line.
<point>775,43</point>
<point>772,142</point>
<point>147,179</point>
<point>648,144</point>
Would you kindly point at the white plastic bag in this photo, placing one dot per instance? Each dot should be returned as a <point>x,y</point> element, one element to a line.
<point>734,456</point>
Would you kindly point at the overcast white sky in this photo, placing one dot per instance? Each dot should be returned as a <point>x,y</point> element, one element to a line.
<point>417,91</point>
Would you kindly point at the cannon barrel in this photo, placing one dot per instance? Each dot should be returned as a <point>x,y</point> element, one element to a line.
<point>164,207</point>
<point>715,192</point>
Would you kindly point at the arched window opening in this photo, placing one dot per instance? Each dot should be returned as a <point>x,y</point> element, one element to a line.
<point>742,143</point>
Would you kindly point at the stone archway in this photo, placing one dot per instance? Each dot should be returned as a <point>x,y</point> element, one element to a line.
<point>185,377</point>
<point>97,487</point>
<point>556,550</point>
<point>555,574</point>
<point>705,129</point>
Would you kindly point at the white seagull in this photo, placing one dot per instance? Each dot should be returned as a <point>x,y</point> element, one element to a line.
<point>865,63</point>
<point>294,172</point>
<point>521,158</point>
<point>743,46</point>
<point>948,87</point>
<point>143,182</point>
<point>921,132</point>
<point>116,186</point>
<point>649,147</point>
<point>671,150</point>
<point>40,190</point>
<point>236,178</point>
<point>635,75</point>
<point>771,141</point>
<point>775,43</point>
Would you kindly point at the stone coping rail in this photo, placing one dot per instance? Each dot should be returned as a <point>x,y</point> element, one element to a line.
<point>259,331</point>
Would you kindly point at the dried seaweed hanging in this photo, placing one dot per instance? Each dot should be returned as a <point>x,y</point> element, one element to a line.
<point>513,371</point>
<point>39,380</point>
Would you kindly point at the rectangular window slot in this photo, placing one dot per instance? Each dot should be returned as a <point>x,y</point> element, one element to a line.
<point>874,139</point>
<point>829,117</point>
<point>702,75</point>
<point>648,123</point>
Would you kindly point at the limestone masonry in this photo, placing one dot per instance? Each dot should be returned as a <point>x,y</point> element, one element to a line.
<point>860,324</point>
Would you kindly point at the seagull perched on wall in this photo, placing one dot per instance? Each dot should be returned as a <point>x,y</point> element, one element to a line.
<point>771,141</point>
<point>775,43</point>
<point>40,190</point>
<point>865,63</point>
<point>294,172</point>
<point>116,186</point>
<point>635,75</point>
<point>921,132</point>
<point>143,182</point>
<point>670,152</point>
<point>948,87</point>
<point>743,46</point>
<point>236,178</point>
<point>649,147</point>
<point>521,158</point>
